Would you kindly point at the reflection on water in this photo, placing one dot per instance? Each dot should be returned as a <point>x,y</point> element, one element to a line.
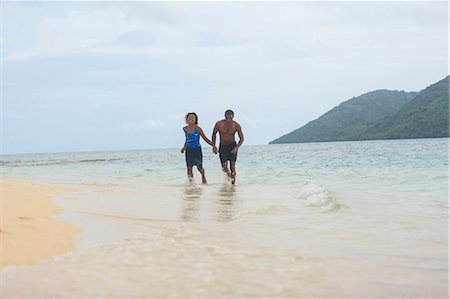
<point>226,203</point>
<point>191,203</point>
<point>196,203</point>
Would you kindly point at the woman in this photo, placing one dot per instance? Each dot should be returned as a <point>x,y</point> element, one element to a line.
<point>192,146</point>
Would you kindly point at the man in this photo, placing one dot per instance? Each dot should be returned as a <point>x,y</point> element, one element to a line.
<point>228,148</point>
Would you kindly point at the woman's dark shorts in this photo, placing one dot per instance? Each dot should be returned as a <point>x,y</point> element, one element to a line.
<point>225,152</point>
<point>194,156</point>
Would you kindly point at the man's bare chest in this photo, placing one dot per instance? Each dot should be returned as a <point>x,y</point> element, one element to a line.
<point>227,129</point>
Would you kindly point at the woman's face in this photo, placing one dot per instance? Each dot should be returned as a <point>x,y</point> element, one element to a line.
<point>191,119</point>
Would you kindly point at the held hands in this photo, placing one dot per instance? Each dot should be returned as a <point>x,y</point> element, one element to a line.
<point>214,149</point>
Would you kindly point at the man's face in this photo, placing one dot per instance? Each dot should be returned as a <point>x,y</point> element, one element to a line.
<point>229,115</point>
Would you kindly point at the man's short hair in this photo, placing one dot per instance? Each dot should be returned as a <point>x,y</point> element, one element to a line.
<point>229,111</point>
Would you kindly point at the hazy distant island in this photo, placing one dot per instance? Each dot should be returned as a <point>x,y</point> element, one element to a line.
<point>381,114</point>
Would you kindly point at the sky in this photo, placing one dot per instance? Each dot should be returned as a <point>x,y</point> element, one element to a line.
<point>88,76</point>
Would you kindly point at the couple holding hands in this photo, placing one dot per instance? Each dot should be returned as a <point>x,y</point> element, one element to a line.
<point>228,148</point>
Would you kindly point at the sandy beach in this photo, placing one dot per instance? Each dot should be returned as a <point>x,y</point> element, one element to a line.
<point>368,224</point>
<point>28,232</point>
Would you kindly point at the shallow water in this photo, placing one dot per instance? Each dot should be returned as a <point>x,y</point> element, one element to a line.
<point>343,219</point>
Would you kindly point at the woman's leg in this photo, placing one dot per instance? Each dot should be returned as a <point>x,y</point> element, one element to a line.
<point>190,174</point>
<point>202,171</point>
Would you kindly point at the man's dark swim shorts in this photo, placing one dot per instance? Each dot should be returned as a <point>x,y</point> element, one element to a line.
<point>194,156</point>
<point>225,152</point>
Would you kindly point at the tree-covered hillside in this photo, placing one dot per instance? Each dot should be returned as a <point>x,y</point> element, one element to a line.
<point>381,114</point>
<point>351,115</point>
<point>427,115</point>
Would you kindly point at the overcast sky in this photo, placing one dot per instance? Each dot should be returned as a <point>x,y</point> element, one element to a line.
<point>81,76</point>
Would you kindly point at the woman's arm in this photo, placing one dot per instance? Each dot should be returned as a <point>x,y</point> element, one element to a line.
<point>200,131</point>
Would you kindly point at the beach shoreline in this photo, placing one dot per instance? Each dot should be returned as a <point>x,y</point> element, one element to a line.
<point>28,232</point>
<point>370,222</point>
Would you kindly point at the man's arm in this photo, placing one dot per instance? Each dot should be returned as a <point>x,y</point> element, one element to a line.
<point>214,133</point>
<point>213,139</point>
<point>184,146</point>
<point>241,138</point>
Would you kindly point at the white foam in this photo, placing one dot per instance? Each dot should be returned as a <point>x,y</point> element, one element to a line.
<point>316,196</point>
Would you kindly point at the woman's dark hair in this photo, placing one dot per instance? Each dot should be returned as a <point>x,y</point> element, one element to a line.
<point>194,114</point>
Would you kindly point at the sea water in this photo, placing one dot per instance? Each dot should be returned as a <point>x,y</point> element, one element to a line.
<point>341,219</point>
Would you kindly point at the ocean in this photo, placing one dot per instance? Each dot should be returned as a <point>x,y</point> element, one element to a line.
<point>343,219</point>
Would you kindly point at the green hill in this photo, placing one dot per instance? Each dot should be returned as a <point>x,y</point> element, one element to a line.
<point>381,114</point>
<point>348,120</point>
<point>427,115</point>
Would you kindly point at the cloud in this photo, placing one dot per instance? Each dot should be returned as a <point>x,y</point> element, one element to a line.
<point>142,125</point>
<point>56,29</point>
<point>175,118</point>
<point>140,66</point>
<point>132,39</point>
<point>90,131</point>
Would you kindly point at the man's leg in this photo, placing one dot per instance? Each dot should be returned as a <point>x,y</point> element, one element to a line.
<point>225,168</point>
<point>202,171</point>
<point>233,171</point>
